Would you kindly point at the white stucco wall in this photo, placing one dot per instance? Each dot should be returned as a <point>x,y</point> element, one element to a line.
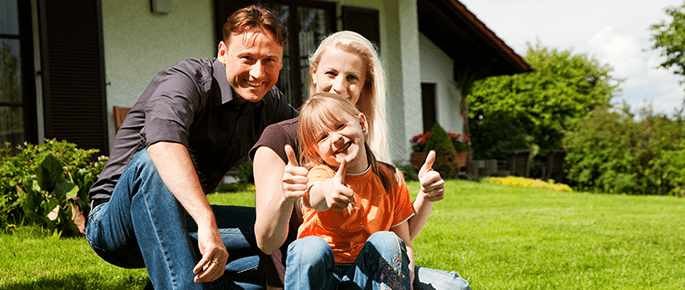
<point>411,74</point>
<point>138,44</point>
<point>438,68</point>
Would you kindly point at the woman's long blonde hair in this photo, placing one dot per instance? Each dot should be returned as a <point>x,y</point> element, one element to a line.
<point>372,99</point>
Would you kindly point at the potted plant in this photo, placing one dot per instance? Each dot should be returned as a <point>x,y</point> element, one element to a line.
<point>462,144</point>
<point>418,156</point>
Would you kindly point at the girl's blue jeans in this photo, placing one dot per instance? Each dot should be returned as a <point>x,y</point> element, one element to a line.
<point>311,265</point>
<point>382,264</point>
<point>143,225</point>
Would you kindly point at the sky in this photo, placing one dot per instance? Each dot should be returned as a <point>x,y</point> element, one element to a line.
<point>614,32</point>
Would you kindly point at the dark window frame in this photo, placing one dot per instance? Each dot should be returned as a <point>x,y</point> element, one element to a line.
<point>28,87</point>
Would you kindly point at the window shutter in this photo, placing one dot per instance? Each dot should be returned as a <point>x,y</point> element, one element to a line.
<point>73,73</point>
<point>364,21</point>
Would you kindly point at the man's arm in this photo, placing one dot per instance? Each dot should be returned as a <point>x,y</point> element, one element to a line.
<point>178,173</point>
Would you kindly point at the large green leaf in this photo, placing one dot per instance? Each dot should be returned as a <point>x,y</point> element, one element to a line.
<point>64,190</point>
<point>49,173</point>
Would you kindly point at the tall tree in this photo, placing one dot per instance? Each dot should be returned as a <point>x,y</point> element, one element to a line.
<point>534,110</point>
<point>669,38</point>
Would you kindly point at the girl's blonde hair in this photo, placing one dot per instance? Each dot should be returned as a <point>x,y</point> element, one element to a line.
<point>323,112</point>
<point>372,99</point>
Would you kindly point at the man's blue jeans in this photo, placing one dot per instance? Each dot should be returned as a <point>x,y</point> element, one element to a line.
<point>143,225</point>
<point>382,264</point>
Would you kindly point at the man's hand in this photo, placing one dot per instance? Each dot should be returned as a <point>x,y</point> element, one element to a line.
<point>214,256</point>
<point>294,177</point>
<point>176,169</point>
<point>432,185</point>
<point>338,195</point>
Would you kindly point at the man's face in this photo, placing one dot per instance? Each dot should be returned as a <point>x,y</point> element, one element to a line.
<point>252,60</point>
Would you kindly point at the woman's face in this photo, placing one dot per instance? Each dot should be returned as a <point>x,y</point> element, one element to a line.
<point>341,73</point>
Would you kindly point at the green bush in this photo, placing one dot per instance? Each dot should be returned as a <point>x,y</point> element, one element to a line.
<point>445,159</point>
<point>496,136</point>
<point>610,152</point>
<point>436,137</point>
<point>40,179</point>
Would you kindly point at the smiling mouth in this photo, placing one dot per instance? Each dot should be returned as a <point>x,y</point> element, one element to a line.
<point>252,84</point>
<point>344,148</point>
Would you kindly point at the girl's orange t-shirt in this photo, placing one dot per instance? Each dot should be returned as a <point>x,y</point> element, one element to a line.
<point>376,210</point>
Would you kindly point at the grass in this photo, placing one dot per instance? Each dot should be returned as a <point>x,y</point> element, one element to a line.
<point>495,236</point>
<point>499,237</point>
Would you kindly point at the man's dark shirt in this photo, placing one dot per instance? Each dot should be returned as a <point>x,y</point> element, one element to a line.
<point>191,103</point>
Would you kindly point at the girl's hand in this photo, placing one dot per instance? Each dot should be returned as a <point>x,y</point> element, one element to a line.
<point>432,185</point>
<point>338,195</point>
<point>294,177</point>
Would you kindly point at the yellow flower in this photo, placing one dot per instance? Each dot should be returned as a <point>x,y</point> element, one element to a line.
<point>527,182</point>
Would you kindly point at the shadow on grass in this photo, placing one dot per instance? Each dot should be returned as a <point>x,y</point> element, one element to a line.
<point>79,281</point>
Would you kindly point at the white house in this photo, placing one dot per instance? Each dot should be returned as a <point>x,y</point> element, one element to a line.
<point>79,58</point>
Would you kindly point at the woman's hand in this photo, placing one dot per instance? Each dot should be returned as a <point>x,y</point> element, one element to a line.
<point>432,185</point>
<point>294,177</point>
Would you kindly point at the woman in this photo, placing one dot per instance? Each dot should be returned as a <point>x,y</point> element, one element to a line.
<point>345,63</point>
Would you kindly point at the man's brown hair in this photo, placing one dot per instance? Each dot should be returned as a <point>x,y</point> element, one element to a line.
<point>255,16</point>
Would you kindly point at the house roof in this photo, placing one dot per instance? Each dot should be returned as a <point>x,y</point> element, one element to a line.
<point>475,48</point>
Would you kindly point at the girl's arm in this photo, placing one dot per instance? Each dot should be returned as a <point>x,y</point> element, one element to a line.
<point>277,187</point>
<point>402,231</point>
<point>432,189</point>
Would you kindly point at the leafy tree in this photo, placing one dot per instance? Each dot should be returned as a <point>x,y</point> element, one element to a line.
<point>533,109</point>
<point>669,38</point>
<point>611,152</point>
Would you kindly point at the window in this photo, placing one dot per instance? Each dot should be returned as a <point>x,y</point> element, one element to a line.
<point>308,24</point>
<point>17,100</point>
<point>428,105</point>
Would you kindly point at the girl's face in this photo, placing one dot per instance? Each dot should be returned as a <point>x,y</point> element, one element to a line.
<point>340,72</point>
<point>345,142</point>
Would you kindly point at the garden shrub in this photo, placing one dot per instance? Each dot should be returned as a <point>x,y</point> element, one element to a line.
<point>674,171</point>
<point>41,178</point>
<point>437,136</point>
<point>445,154</point>
<point>610,152</point>
<point>446,161</point>
<point>497,136</point>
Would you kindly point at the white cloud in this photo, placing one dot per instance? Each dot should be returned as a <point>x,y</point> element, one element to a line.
<point>623,52</point>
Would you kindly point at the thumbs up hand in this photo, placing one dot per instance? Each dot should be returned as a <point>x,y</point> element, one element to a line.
<point>432,185</point>
<point>338,196</point>
<point>294,177</point>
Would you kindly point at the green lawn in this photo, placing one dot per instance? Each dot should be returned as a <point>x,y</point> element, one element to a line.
<point>496,237</point>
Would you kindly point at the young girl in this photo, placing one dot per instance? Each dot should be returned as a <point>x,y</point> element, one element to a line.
<point>356,209</point>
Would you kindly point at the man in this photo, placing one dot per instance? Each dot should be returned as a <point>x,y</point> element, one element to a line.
<point>195,121</point>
